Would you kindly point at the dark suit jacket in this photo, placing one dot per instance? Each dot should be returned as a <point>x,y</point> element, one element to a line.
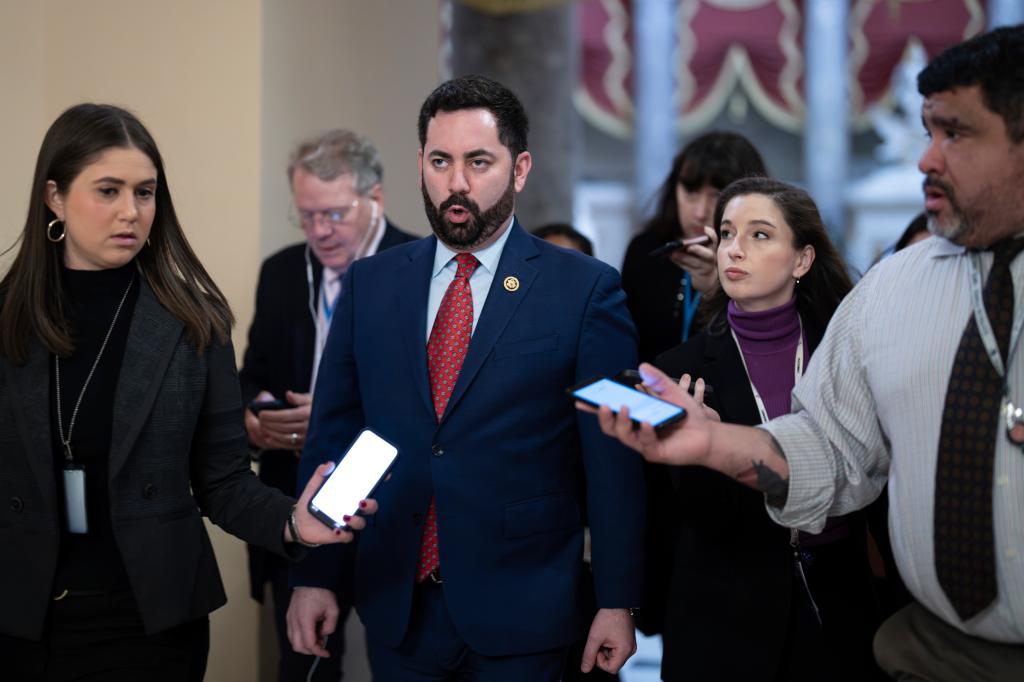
<point>178,452</point>
<point>279,358</point>
<point>731,569</point>
<point>505,461</point>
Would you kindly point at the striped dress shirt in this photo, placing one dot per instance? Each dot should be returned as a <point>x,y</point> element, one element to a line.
<point>869,409</point>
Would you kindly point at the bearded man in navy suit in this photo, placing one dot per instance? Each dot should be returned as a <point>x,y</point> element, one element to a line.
<point>458,348</point>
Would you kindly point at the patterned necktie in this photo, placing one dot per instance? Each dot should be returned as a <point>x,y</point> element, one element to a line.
<point>964,543</point>
<point>446,349</point>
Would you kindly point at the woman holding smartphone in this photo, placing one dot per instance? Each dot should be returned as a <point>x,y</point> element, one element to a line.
<point>120,423</point>
<point>803,603</point>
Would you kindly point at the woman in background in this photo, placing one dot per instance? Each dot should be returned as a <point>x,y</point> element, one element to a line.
<point>803,604</point>
<point>120,423</point>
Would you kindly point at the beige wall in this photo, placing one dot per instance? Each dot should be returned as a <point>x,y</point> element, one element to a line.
<point>362,65</point>
<point>226,88</point>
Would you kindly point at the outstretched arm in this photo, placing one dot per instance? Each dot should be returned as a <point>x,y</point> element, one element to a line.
<point>750,455</point>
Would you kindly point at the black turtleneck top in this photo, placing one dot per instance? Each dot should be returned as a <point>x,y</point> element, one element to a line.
<point>91,561</point>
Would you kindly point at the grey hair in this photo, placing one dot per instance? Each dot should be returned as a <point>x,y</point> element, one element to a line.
<point>337,152</point>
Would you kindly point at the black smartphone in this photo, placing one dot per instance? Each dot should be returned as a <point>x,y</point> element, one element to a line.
<point>631,377</point>
<point>361,469</point>
<point>676,244</point>
<point>256,406</point>
<point>642,407</point>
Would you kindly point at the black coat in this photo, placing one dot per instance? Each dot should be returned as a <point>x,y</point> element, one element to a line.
<point>653,288</point>
<point>733,606</point>
<point>178,453</point>
<point>279,358</point>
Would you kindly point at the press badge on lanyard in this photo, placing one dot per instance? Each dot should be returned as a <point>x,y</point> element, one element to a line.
<point>74,498</point>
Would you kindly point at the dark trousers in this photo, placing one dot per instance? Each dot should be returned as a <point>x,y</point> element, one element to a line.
<point>100,638</point>
<point>292,666</point>
<point>433,651</point>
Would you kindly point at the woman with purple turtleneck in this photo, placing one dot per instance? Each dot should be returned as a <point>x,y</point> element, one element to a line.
<point>803,605</point>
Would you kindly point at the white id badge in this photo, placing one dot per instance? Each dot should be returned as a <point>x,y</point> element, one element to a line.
<point>74,499</point>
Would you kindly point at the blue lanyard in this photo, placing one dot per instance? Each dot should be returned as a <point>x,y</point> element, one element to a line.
<point>328,306</point>
<point>691,299</point>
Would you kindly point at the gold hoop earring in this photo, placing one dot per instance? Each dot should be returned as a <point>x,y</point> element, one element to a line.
<point>49,230</point>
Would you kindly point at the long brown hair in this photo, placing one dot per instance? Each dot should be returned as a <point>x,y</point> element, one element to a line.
<point>31,292</point>
<point>822,288</point>
<point>716,159</point>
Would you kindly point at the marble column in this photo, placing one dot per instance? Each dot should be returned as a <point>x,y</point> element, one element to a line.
<point>654,129</point>
<point>1005,13</point>
<point>827,114</point>
<point>534,53</point>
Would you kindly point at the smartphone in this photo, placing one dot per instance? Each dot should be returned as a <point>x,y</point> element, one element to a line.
<point>676,244</point>
<point>642,407</point>
<point>631,377</point>
<point>258,405</point>
<point>361,469</point>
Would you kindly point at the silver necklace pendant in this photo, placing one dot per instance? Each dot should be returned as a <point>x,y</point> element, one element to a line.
<point>1014,417</point>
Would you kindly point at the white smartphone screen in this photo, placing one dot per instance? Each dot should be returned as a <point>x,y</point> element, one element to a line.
<point>355,477</point>
<point>642,407</point>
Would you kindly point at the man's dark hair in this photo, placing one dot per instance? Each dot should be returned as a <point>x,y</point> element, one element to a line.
<point>715,159</point>
<point>993,61</point>
<point>583,245</point>
<point>478,92</point>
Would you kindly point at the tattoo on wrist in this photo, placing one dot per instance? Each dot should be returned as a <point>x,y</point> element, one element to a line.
<point>767,480</point>
<point>775,488</point>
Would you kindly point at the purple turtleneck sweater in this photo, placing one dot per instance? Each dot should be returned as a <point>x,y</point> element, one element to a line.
<point>768,341</point>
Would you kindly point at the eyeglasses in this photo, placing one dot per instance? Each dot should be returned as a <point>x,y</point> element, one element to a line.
<point>332,216</point>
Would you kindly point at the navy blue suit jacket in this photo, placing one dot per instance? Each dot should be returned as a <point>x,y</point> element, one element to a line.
<point>515,469</point>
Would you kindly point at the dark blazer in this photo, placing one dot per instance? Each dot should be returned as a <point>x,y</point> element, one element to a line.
<point>279,358</point>
<point>178,453</point>
<point>506,461</point>
<point>731,568</point>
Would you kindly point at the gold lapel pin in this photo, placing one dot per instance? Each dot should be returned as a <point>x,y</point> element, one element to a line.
<point>511,284</point>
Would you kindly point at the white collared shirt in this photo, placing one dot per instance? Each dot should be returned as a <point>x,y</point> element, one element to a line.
<point>445,268</point>
<point>869,410</point>
<point>330,289</point>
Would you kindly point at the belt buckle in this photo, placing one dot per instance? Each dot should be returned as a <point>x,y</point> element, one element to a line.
<point>435,576</point>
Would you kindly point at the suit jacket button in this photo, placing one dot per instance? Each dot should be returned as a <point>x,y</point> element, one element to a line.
<point>149,492</point>
<point>16,504</point>
<point>437,450</point>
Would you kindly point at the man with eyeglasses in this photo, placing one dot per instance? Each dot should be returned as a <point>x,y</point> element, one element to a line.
<point>338,202</point>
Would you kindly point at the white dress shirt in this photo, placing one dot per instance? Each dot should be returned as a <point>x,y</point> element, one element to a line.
<point>869,409</point>
<point>444,271</point>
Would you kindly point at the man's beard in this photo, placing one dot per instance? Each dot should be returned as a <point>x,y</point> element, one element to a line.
<point>480,226</point>
<point>953,225</point>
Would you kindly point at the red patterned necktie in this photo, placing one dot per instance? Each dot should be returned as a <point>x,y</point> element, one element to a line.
<point>964,541</point>
<point>446,349</point>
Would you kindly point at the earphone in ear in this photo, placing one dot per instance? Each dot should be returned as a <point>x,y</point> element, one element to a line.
<point>373,215</point>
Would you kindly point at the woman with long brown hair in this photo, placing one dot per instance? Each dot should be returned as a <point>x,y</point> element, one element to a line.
<point>804,604</point>
<point>120,422</point>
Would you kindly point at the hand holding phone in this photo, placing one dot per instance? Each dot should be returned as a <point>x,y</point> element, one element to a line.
<point>257,406</point>
<point>642,407</point>
<point>676,244</point>
<point>361,469</point>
